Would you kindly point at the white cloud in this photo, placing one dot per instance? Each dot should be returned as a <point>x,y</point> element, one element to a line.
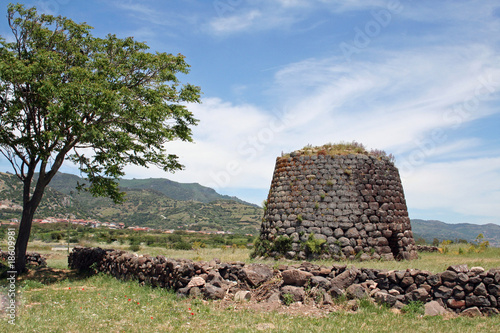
<point>235,146</point>
<point>235,23</point>
<point>402,93</point>
<point>468,187</point>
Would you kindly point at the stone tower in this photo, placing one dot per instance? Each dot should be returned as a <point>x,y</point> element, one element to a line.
<point>336,201</point>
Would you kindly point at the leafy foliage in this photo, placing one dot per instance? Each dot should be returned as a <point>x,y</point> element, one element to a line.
<point>287,299</point>
<point>414,308</point>
<point>282,244</point>
<point>66,93</point>
<point>314,245</point>
<point>102,103</point>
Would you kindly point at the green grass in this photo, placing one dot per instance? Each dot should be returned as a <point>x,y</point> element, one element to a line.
<point>104,304</point>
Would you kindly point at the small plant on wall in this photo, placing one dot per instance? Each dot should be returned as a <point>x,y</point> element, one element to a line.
<point>315,245</point>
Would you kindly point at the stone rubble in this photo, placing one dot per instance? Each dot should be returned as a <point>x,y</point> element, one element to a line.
<point>458,289</point>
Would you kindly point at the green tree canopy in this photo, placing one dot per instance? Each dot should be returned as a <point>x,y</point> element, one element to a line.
<point>102,103</point>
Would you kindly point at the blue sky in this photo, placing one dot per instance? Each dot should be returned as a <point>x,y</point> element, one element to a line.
<point>418,79</point>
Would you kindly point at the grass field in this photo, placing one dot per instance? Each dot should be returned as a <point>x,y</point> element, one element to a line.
<point>57,300</point>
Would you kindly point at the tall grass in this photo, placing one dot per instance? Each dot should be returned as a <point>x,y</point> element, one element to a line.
<point>104,304</point>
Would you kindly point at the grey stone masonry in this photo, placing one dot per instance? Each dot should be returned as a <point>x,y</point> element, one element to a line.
<point>458,289</point>
<point>353,205</point>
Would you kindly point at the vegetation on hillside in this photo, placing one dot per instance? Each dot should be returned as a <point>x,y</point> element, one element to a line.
<point>432,231</point>
<point>143,207</point>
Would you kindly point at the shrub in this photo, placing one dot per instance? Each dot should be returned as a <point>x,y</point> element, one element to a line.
<point>134,247</point>
<point>261,247</point>
<point>282,244</point>
<point>182,245</point>
<point>287,299</point>
<point>314,245</point>
<point>414,307</point>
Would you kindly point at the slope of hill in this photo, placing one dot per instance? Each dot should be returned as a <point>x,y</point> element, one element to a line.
<point>179,191</point>
<point>430,229</point>
<point>66,184</point>
<point>144,207</point>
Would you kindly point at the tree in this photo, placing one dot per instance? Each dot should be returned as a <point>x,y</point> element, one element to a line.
<point>102,103</point>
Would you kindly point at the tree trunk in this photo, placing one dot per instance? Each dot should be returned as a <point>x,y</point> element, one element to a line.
<point>29,208</point>
<point>23,237</point>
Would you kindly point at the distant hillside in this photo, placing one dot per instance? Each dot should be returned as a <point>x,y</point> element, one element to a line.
<point>66,183</point>
<point>148,206</point>
<point>179,191</point>
<point>430,229</point>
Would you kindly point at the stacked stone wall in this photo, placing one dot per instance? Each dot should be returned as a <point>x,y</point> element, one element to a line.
<point>354,204</point>
<point>458,289</point>
<point>32,258</point>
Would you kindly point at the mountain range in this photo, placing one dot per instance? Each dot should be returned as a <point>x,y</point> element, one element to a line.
<point>165,204</point>
<point>155,203</point>
<point>430,229</point>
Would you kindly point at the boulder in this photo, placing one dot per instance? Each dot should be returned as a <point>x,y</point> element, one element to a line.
<point>298,294</point>
<point>443,292</point>
<point>419,294</point>
<point>471,312</point>
<point>274,298</point>
<point>434,280</point>
<point>255,274</point>
<point>242,295</point>
<point>321,282</point>
<point>494,290</point>
<point>356,291</point>
<point>433,308</point>
<point>458,268</point>
<point>477,270</point>
<point>480,290</point>
<point>473,300</point>
<point>449,276</point>
<point>196,282</point>
<point>345,279</point>
<point>212,292</point>
<point>385,298</point>
<point>295,277</point>
<point>455,304</point>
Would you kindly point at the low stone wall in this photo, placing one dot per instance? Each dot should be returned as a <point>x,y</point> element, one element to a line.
<point>458,289</point>
<point>427,248</point>
<point>32,258</point>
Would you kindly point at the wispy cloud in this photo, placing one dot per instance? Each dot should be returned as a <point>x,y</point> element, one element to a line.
<point>454,186</point>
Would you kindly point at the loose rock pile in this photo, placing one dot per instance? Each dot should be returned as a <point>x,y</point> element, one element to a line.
<point>458,289</point>
<point>427,248</point>
<point>353,205</point>
<point>32,258</point>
